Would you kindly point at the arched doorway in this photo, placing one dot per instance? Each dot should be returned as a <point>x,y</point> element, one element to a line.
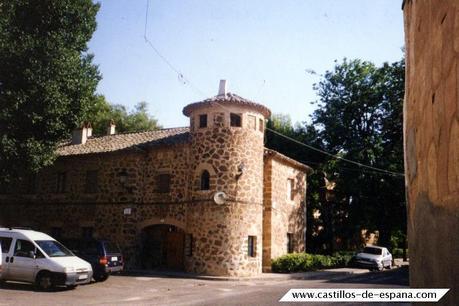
<point>162,247</point>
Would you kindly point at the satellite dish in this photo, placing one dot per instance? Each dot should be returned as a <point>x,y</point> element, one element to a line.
<point>220,198</point>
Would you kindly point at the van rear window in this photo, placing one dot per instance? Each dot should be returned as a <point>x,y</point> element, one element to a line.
<point>111,248</point>
<point>6,243</point>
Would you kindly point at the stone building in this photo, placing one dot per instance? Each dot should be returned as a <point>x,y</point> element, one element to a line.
<point>208,198</point>
<point>431,115</point>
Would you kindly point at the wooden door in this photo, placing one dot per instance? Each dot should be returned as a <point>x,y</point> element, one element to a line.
<point>174,250</point>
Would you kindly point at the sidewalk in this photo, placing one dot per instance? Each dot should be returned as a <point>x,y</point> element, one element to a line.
<point>322,274</point>
<point>313,275</point>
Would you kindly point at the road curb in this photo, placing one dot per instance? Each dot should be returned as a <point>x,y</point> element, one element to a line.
<point>312,275</point>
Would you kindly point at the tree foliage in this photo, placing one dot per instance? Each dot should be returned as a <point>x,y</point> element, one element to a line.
<point>358,117</point>
<point>47,78</point>
<point>101,113</point>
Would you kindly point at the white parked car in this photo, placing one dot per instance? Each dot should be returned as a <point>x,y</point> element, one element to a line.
<point>35,257</point>
<point>374,258</point>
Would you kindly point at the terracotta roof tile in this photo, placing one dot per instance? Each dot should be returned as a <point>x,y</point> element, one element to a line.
<point>127,141</point>
<point>227,99</point>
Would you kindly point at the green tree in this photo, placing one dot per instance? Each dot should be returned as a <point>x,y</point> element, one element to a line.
<point>358,117</point>
<point>102,112</point>
<point>47,78</point>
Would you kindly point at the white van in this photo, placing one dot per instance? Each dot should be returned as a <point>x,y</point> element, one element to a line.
<point>1,260</point>
<point>34,257</point>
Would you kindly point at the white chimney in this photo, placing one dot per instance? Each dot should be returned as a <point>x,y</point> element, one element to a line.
<point>79,135</point>
<point>88,130</point>
<point>222,88</point>
<point>111,129</point>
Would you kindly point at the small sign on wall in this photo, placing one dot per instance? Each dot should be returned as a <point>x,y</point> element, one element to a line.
<point>127,211</point>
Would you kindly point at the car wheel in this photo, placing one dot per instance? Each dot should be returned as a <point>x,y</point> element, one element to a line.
<point>44,281</point>
<point>71,287</point>
<point>389,266</point>
<point>100,277</point>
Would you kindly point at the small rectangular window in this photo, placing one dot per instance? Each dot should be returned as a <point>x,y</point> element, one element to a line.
<point>31,183</point>
<point>289,243</point>
<point>188,244</point>
<point>164,183</point>
<point>5,188</point>
<point>291,189</point>
<point>252,245</point>
<point>5,242</point>
<point>252,120</point>
<point>56,233</point>
<point>91,182</point>
<point>235,120</point>
<point>87,232</point>
<point>261,125</point>
<point>203,121</point>
<point>61,182</point>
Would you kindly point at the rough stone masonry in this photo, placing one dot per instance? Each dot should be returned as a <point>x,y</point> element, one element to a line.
<point>153,192</point>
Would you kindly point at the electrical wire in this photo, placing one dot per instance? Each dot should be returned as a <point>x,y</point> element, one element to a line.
<point>335,156</point>
<point>187,81</point>
<point>180,75</point>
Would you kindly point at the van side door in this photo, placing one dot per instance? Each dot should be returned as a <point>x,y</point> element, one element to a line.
<point>22,266</point>
<point>6,243</point>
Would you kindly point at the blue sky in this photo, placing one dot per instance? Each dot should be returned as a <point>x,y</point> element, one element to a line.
<point>262,48</point>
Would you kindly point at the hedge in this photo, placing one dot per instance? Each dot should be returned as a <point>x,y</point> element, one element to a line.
<point>398,253</point>
<point>297,262</point>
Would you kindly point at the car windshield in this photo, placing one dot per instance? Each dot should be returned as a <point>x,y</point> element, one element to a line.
<point>53,248</point>
<point>375,251</point>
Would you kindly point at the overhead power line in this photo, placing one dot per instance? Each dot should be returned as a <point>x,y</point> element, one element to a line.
<point>186,81</point>
<point>336,156</point>
<point>180,75</point>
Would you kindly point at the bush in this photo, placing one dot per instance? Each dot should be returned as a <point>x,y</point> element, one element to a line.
<point>297,262</point>
<point>398,253</point>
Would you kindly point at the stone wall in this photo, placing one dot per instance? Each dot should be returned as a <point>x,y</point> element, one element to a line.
<point>103,210</point>
<point>432,143</point>
<point>221,231</point>
<point>129,180</point>
<point>281,214</point>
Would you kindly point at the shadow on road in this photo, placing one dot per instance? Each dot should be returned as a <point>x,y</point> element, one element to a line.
<point>160,273</point>
<point>398,276</point>
<point>29,287</point>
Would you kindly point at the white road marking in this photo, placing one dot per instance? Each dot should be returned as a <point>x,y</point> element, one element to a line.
<point>132,299</point>
<point>145,279</point>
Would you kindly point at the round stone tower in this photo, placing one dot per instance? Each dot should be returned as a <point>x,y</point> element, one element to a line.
<point>224,217</point>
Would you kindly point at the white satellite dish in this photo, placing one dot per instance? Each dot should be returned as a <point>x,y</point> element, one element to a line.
<point>220,198</point>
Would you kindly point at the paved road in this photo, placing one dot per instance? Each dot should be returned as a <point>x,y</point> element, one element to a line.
<point>142,290</point>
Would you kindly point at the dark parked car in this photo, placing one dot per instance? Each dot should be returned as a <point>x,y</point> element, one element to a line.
<point>104,256</point>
